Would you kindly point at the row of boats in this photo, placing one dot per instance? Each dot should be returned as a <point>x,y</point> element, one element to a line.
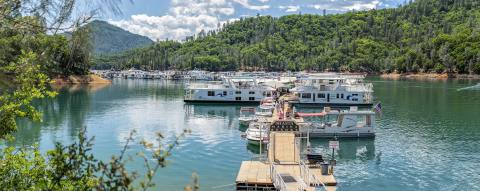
<point>329,123</point>
<point>325,88</point>
<point>277,124</point>
<point>167,74</point>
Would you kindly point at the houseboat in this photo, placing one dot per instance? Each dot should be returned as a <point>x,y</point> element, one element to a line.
<point>333,90</point>
<point>230,89</point>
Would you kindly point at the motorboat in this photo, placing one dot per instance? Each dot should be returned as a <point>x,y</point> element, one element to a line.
<point>347,123</point>
<point>247,115</point>
<point>264,111</point>
<point>256,132</point>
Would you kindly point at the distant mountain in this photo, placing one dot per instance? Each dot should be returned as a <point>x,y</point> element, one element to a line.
<point>108,38</point>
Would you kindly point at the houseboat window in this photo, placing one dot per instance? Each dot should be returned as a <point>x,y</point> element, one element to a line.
<point>338,96</point>
<point>224,93</point>
<point>306,95</point>
<point>354,99</point>
<point>211,93</point>
<point>251,92</point>
<point>238,92</point>
<point>238,98</point>
<point>323,88</point>
<point>354,94</point>
<point>321,95</point>
<point>341,96</point>
<point>251,98</point>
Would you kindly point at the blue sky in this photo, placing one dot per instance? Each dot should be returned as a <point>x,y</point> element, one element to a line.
<point>176,19</point>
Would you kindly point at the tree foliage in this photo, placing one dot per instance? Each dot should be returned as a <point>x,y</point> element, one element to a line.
<point>410,38</point>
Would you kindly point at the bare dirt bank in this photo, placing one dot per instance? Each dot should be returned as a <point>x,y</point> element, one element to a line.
<point>84,79</point>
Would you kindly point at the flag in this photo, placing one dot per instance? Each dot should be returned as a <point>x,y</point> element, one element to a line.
<point>378,108</point>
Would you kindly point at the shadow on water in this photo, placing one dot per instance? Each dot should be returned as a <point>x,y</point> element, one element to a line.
<point>350,149</point>
<point>255,148</point>
<point>69,109</point>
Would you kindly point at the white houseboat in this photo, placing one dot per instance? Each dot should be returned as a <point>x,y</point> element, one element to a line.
<point>230,89</point>
<point>334,90</point>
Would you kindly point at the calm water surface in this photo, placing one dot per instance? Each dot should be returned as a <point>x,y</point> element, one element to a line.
<point>428,137</point>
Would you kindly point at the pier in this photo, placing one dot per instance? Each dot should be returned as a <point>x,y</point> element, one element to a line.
<point>284,168</point>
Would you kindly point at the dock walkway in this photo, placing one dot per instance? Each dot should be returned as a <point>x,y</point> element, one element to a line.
<point>283,170</point>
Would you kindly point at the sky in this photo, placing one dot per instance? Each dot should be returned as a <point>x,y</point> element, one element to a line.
<point>177,19</point>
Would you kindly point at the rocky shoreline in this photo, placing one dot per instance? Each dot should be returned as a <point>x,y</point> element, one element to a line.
<point>429,76</point>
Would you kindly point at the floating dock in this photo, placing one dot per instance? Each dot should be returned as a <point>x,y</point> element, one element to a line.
<point>284,168</point>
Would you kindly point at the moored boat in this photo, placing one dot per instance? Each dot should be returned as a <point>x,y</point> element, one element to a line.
<point>334,90</point>
<point>231,89</point>
<point>256,132</point>
<point>246,115</point>
<point>348,123</point>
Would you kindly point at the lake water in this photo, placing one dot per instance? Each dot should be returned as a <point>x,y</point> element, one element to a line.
<point>428,137</point>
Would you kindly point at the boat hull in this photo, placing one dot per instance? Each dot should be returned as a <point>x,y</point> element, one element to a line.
<point>298,104</point>
<point>221,101</point>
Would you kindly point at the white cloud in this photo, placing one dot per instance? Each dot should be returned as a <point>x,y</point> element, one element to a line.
<point>289,8</point>
<point>335,5</point>
<point>363,5</point>
<point>185,18</point>
<point>246,4</point>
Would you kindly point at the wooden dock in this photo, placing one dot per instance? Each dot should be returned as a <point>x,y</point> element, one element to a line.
<point>283,170</point>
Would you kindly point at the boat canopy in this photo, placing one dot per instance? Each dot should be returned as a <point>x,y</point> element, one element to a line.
<point>312,114</point>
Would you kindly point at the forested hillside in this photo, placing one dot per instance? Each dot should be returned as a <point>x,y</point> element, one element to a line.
<point>423,36</point>
<point>107,38</point>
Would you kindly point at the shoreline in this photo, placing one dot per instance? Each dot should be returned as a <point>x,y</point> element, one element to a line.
<point>80,79</point>
<point>428,76</point>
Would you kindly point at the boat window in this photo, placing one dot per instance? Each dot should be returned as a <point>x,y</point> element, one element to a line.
<point>342,96</point>
<point>338,96</point>
<point>354,99</point>
<point>224,93</point>
<point>251,98</point>
<point>211,93</point>
<point>323,88</point>
<point>238,92</point>
<point>238,98</point>
<point>321,95</point>
<point>354,94</point>
<point>251,92</point>
<point>306,95</point>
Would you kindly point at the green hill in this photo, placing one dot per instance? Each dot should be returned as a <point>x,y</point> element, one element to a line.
<point>107,38</point>
<point>423,36</point>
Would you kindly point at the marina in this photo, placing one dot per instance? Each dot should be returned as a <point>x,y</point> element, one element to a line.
<point>284,169</point>
<point>417,135</point>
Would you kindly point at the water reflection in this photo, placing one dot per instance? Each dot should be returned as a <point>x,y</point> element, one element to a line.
<point>69,109</point>
<point>350,149</point>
